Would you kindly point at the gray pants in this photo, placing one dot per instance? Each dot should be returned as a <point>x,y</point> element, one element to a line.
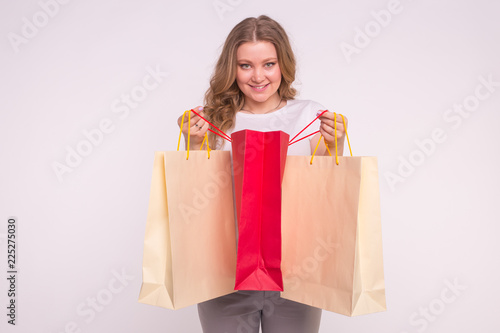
<point>244,311</point>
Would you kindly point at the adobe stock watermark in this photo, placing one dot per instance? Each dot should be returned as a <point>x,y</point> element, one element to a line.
<point>221,7</point>
<point>122,107</point>
<point>453,117</point>
<point>372,29</point>
<point>201,196</point>
<point>87,310</point>
<point>31,27</point>
<point>421,319</point>
<point>298,273</point>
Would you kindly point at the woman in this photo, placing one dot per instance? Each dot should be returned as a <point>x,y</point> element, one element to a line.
<point>251,89</point>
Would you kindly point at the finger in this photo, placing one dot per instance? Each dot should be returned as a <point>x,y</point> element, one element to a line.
<point>329,132</point>
<point>199,131</point>
<point>341,119</point>
<point>330,116</point>
<point>189,128</point>
<point>200,122</point>
<point>204,127</point>
<point>322,112</point>
<point>199,125</point>
<point>198,109</point>
<point>194,131</point>
<point>328,138</point>
<point>194,120</point>
<point>330,121</point>
<point>332,124</point>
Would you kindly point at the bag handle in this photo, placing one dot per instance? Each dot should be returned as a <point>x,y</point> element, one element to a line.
<point>189,136</point>
<point>205,139</point>
<point>335,135</point>
<point>224,135</point>
<point>291,142</point>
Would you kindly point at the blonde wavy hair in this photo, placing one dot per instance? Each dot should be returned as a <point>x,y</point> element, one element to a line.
<point>224,98</point>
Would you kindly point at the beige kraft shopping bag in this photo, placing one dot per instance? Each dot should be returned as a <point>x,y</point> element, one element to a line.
<point>190,241</point>
<point>332,241</point>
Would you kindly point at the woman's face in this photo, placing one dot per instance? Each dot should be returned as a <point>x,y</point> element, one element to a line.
<point>258,75</point>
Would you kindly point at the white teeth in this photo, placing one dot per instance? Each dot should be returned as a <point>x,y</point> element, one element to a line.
<point>261,87</point>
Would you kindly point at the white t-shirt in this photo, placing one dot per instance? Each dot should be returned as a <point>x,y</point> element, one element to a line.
<point>291,119</point>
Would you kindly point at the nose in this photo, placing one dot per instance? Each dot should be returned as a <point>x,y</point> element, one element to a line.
<point>258,75</point>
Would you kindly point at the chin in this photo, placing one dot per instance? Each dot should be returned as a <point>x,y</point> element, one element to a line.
<point>261,98</point>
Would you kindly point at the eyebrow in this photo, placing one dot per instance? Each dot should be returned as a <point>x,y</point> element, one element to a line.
<point>264,61</point>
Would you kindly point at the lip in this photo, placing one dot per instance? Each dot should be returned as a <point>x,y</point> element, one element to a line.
<point>262,89</point>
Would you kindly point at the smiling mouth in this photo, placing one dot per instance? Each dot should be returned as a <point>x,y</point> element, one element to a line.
<point>260,87</point>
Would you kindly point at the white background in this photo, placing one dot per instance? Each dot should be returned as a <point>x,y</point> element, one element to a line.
<point>440,217</point>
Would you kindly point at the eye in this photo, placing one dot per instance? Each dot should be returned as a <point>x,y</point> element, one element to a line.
<point>270,64</point>
<point>244,66</point>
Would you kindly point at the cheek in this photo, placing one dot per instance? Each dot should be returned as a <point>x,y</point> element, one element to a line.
<point>240,80</point>
<point>276,74</point>
<point>242,76</point>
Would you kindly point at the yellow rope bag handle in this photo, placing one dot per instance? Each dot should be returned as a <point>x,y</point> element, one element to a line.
<point>205,139</point>
<point>335,134</point>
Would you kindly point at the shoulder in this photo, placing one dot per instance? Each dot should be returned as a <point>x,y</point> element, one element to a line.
<point>306,107</point>
<point>305,104</point>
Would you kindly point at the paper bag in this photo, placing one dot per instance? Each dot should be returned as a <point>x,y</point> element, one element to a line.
<point>332,242</point>
<point>190,241</point>
<point>258,164</point>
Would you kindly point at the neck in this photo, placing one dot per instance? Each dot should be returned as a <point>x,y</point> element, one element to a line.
<point>268,106</point>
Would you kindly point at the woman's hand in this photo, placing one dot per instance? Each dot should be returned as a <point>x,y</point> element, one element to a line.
<point>327,129</point>
<point>197,128</point>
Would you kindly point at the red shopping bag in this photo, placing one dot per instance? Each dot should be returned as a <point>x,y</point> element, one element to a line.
<point>258,166</point>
